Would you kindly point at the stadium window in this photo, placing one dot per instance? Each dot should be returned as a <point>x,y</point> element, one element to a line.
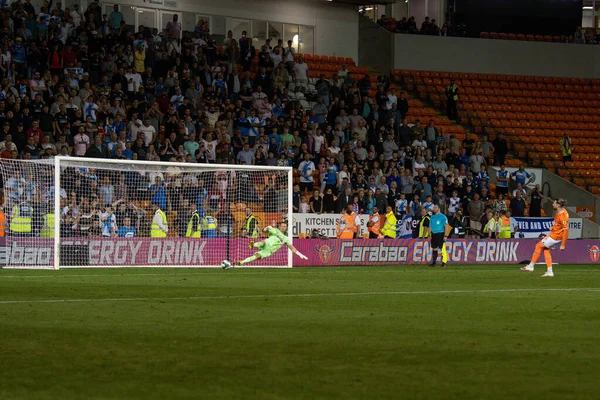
<point>237,26</point>
<point>275,32</point>
<point>307,39</point>
<point>129,16</point>
<point>588,17</point>
<point>290,32</point>
<point>145,17</point>
<point>188,22</point>
<point>259,32</point>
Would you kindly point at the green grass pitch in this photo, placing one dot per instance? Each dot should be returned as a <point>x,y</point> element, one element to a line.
<point>477,332</point>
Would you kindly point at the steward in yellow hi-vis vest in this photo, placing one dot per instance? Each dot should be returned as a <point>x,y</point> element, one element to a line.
<point>194,227</point>
<point>389,227</point>
<point>21,219</point>
<point>504,225</point>
<point>251,224</point>
<point>159,227</point>
<point>210,226</point>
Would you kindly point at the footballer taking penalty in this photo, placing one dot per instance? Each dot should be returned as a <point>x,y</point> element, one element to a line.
<point>559,233</point>
<point>268,247</point>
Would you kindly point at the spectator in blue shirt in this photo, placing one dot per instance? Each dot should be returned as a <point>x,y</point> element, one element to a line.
<point>126,230</point>
<point>276,136</point>
<point>331,174</point>
<point>243,125</point>
<point>482,178</point>
<point>521,176</point>
<point>465,158</point>
<point>116,17</point>
<point>502,178</point>
<point>19,55</point>
<point>158,193</point>
<point>202,196</point>
<point>119,124</point>
<point>424,189</point>
<point>278,108</point>
<point>127,152</point>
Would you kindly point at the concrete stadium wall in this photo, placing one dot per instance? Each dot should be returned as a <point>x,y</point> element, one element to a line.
<point>432,53</point>
<point>375,45</point>
<point>336,32</point>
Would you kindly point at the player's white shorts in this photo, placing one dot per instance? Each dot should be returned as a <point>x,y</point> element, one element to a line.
<point>549,243</point>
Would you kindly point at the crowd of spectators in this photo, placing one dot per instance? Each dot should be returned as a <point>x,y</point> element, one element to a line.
<point>584,36</point>
<point>429,170</point>
<point>81,84</point>
<point>428,27</point>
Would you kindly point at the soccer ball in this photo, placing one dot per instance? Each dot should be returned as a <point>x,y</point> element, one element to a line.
<point>225,264</point>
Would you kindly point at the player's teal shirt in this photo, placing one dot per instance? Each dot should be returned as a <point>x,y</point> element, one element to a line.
<point>438,223</point>
<point>276,239</point>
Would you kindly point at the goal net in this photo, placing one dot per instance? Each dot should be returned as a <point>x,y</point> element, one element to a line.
<point>116,213</point>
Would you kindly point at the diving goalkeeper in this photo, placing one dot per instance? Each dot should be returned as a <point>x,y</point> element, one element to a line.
<point>268,247</point>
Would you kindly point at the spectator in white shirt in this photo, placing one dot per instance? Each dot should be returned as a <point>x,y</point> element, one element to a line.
<point>7,144</point>
<point>521,189</point>
<point>81,142</point>
<point>254,125</point>
<point>149,132</point>
<point>391,99</point>
<point>475,162</point>
<point>288,55</point>
<point>300,73</point>
<point>246,156</point>
<point>418,164</point>
<point>306,168</point>
<point>318,140</point>
<point>134,80</point>
<point>76,15</point>
<point>211,146</point>
<point>109,222</point>
<point>419,142</point>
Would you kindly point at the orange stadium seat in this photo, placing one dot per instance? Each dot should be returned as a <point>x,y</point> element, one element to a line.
<point>533,110</point>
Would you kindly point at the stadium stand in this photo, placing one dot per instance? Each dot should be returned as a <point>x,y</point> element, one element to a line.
<point>526,37</point>
<point>534,112</point>
<point>581,36</point>
<point>83,87</point>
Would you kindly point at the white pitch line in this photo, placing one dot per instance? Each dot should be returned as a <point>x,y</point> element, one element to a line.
<point>275,296</point>
<point>239,272</point>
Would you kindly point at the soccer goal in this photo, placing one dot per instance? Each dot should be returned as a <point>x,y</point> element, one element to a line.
<point>121,213</point>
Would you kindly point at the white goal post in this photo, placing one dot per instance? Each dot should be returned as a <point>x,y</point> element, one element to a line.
<point>123,213</point>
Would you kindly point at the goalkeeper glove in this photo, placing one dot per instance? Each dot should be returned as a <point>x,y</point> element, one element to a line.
<point>302,256</point>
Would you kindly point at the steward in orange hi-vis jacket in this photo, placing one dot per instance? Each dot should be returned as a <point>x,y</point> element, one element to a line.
<point>346,227</point>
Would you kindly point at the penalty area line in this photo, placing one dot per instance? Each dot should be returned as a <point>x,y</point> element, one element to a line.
<point>296,295</point>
